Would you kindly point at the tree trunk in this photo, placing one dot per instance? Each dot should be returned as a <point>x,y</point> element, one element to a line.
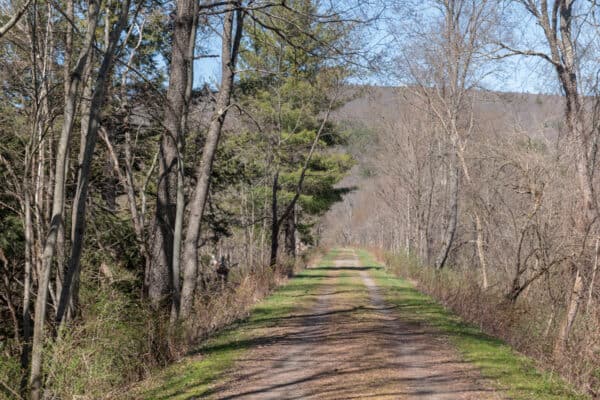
<point>61,242</point>
<point>263,232</point>
<point>566,324</point>
<point>480,251</point>
<point>71,281</point>
<point>478,226</point>
<point>448,237</point>
<point>252,230</point>
<point>593,278</point>
<point>229,52</point>
<point>159,277</point>
<point>588,209</point>
<point>290,234</point>
<point>68,308</point>
<point>274,221</point>
<point>26,313</point>
<point>57,207</point>
<point>180,201</point>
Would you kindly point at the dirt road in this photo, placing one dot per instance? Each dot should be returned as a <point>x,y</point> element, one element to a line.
<point>350,344</point>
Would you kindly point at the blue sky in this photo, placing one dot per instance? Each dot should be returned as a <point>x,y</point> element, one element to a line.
<point>515,74</point>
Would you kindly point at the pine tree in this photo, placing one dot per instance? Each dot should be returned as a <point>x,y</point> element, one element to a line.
<point>291,84</point>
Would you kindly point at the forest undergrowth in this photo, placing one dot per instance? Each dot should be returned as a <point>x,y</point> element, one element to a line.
<point>119,340</point>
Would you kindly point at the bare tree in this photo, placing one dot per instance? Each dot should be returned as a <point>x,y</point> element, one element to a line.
<point>450,66</point>
<point>557,22</point>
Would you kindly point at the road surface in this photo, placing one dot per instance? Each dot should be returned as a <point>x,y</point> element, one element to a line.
<point>350,344</point>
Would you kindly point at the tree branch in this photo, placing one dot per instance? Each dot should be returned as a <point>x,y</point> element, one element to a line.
<point>14,19</point>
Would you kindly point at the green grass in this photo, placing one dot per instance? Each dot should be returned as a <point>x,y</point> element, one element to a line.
<point>195,374</point>
<point>512,373</point>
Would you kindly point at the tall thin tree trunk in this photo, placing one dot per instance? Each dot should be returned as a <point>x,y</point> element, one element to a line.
<point>180,206</point>
<point>57,207</point>
<point>449,233</point>
<point>85,105</point>
<point>478,226</point>
<point>290,234</point>
<point>61,254</point>
<point>244,220</point>
<point>588,210</point>
<point>26,313</point>
<point>274,221</point>
<point>159,276</point>
<point>480,251</point>
<point>593,278</point>
<point>562,45</point>
<point>251,233</point>
<point>550,321</point>
<point>229,52</point>
<point>263,231</point>
<point>566,323</point>
<point>71,280</point>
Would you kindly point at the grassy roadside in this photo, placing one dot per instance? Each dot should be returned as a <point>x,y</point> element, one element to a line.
<point>194,375</point>
<point>512,373</point>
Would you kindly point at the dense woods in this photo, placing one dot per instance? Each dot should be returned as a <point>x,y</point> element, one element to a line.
<point>146,203</point>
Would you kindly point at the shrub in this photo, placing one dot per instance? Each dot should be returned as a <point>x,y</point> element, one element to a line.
<point>10,370</point>
<point>116,340</point>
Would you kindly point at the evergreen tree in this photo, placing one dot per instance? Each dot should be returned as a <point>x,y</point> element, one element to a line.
<point>291,84</point>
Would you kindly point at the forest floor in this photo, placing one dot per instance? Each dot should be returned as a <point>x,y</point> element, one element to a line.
<point>348,330</point>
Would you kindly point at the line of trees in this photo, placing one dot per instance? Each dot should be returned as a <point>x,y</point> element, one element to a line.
<point>180,175</point>
<point>499,188</point>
